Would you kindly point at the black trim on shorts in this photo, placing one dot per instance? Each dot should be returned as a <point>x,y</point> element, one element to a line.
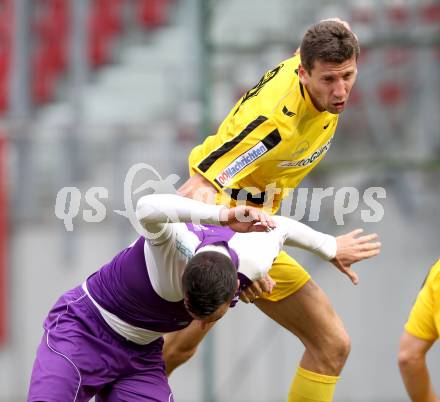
<point>227,146</point>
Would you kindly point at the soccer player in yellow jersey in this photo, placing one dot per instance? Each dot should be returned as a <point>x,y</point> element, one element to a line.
<point>272,138</point>
<point>421,331</point>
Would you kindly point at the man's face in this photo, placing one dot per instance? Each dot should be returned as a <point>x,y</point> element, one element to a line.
<point>215,316</point>
<point>329,84</point>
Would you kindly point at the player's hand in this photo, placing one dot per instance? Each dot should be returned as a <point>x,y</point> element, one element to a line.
<point>246,219</point>
<point>256,288</point>
<point>352,249</point>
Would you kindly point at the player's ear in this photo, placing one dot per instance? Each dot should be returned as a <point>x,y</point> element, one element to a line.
<point>303,75</point>
<point>238,283</point>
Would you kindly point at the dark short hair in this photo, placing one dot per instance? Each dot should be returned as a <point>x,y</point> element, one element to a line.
<point>328,41</point>
<point>209,280</point>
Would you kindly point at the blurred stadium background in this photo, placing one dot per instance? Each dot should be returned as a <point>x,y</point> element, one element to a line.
<point>90,87</point>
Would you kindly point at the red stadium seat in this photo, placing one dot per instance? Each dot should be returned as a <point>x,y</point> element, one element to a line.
<point>363,15</point>
<point>431,13</point>
<point>114,16</point>
<point>60,15</point>
<point>104,23</point>
<point>398,14</point>
<point>3,238</point>
<point>43,75</point>
<point>153,13</point>
<point>49,56</point>
<point>391,93</point>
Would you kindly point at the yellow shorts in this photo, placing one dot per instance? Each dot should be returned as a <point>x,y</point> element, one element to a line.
<point>289,276</point>
<point>424,319</point>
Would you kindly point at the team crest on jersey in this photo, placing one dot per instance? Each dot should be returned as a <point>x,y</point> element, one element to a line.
<point>240,163</point>
<point>307,161</point>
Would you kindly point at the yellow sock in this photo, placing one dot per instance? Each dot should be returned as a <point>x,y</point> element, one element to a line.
<point>308,386</point>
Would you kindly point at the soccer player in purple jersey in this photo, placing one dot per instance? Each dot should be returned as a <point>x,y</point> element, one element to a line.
<point>104,338</point>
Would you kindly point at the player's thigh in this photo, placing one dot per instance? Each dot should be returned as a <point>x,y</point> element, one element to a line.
<point>308,314</point>
<point>151,385</point>
<point>78,353</point>
<point>55,377</point>
<point>289,276</point>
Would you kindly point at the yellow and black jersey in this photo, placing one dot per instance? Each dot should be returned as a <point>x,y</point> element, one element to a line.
<point>424,320</point>
<point>269,141</point>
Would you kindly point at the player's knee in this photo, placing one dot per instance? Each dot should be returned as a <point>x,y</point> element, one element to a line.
<point>344,345</point>
<point>332,353</point>
<point>339,351</point>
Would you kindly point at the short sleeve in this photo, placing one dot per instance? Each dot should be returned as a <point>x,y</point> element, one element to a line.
<point>421,321</point>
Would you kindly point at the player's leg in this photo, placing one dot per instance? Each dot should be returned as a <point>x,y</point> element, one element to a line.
<point>180,346</point>
<point>308,314</point>
<point>63,370</point>
<point>137,388</point>
<point>145,378</point>
<point>79,354</point>
<point>55,377</point>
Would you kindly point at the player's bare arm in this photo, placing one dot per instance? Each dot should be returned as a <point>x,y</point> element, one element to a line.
<point>198,188</point>
<point>412,364</point>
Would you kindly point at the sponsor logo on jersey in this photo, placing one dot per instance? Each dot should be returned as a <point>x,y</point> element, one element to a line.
<point>307,161</point>
<point>240,163</point>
